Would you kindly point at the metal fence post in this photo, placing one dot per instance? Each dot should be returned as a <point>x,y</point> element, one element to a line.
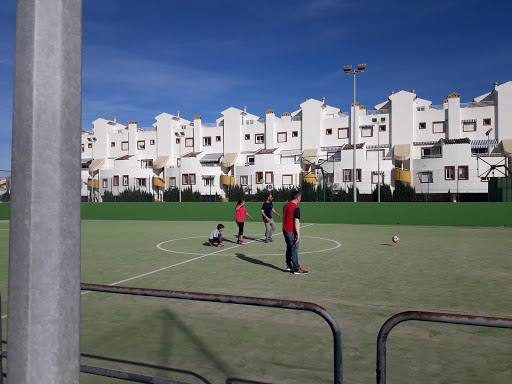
<point>44,251</point>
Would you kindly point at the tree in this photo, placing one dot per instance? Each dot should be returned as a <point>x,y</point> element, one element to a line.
<point>308,192</point>
<point>107,197</point>
<point>385,193</point>
<point>6,197</point>
<point>236,193</point>
<point>403,192</point>
<point>171,194</point>
<point>135,195</point>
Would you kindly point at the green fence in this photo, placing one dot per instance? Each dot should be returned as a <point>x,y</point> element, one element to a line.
<point>451,214</point>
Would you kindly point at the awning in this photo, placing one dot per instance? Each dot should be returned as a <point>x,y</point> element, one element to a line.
<point>229,159</point>
<point>227,180</point>
<point>160,162</point>
<point>96,164</point>
<point>309,177</point>
<point>402,152</point>
<point>158,182</point>
<point>507,147</point>
<point>309,156</point>
<point>211,158</point>
<point>485,143</point>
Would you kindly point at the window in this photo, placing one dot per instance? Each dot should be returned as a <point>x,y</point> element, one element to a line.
<point>269,177</point>
<point>259,177</point>
<point>115,181</point>
<point>367,131</point>
<point>430,152</point>
<point>141,144</point>
<point>172,182</point>
<point>426,177</point>
<point>342,133</point>
<point>89,145</point>
<point>105,183</point>
<point>183,126</point>
<point>124,146</point>
<point>244,180</point>
<point>282,137</point>
<point>209,181</point>
<point>419,109</point>
<point>83,148</point>
<point>423,125</point>
<point>177,141</point>
<point>287,179</point>
<point>449,173</point>
<point>330,178</point>
<point>478,151</point>
<point>487,121</point>
<point>188,179</point>
<point>375,177</point>
<point>382,128</point>
<point>217,138</point>
<point>382,119</point>
<point>295,133</point>
<point>112,144</point>
<point>374,119</point>
<point>207,141</point>
<point>438,126</point>
<point>189,142</point>
<point>147,163</point>
<point>152,142</point>
<point>259,138</point>
<point>141,182</point>
<point>469,126</point>
<point>250,159</point>
<point>328,131</point>
<point>347,175</point>
<point>247,137</point>
<point>125,180</point>
<point>463,172</point>
<point>373,154</point>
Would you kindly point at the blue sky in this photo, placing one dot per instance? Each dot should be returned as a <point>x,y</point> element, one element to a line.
<point>142,58</point>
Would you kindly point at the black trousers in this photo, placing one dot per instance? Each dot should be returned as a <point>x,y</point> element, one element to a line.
<point>240,227</point>
<point>217,240</point>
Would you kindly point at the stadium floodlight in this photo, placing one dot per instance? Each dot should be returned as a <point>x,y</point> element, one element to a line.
<point>488,132</point>
<point>348,70</point>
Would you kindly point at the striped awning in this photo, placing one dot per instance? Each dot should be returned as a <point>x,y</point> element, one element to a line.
<point>402,152</point>
<point>378,146</point>
<point>507,147</point>
<point>418,143</point>
<point>310,156</point>
<point>96,164</point>
<point>211,158</point>
<point>290,152</point>
<point>229,159</point>
<point>160,162</point>
<point>484,143</point>
<point>469,121</point>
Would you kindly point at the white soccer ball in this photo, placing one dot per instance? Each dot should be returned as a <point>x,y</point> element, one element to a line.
<point>395,239</point>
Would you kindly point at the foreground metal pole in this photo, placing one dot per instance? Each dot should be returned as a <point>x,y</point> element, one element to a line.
<point>436,317</point>
<point>44,243</point>
<point>354,170</point>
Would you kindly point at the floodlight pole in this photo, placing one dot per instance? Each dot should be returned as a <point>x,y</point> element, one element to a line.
<point>179,185</point>
<point>378,163</point>
<point>348,70</point>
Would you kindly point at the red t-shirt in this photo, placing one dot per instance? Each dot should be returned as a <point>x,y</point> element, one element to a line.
<point>240,214</point>
<point>290,212</point>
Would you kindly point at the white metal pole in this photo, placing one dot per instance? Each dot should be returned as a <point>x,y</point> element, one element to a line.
<point>179,185</point>
<point>378,163</point>
<point>354,142</point>
<point>44,237</point>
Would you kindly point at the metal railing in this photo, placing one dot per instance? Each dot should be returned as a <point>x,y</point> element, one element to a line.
<point>477,104</point>
<point>229,299</point>
<point>377,112</point>
<point>437,317</point>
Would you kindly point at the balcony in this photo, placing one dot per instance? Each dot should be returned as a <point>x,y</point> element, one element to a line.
<point>158,182</point>
<point>227,180</point>
<point>401,175</point>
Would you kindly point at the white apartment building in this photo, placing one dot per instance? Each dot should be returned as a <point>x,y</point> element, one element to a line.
<point>450,147</point>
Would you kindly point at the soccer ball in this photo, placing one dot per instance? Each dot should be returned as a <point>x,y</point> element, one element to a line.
<point>395,239</point>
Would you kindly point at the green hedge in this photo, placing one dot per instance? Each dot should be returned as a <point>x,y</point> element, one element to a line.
<point>451,214</point>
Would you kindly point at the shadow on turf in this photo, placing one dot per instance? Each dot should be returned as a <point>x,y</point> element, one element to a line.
<point>258,262</point>
<point>388,245</point>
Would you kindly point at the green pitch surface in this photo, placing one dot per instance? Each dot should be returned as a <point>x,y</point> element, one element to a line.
<point>355,272</point>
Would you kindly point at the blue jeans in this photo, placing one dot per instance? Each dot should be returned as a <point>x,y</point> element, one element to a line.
<point>292,251</point>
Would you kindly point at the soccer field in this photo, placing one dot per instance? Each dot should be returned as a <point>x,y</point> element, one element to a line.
<point>355,272</point>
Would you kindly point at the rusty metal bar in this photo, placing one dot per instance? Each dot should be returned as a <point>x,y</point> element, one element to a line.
<point>127,376</point>
<point>450,318</point>
<point>229,299</point>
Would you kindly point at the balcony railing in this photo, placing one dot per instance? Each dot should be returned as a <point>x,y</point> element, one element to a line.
<point>377,112</point>
<point>478,104</point>
<point>210,125</point>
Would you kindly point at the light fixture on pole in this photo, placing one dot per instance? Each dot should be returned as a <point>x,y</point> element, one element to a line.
<point>348,70</point>
<point>488,142</point>
<point>180,135</point>
<point>92,140</point>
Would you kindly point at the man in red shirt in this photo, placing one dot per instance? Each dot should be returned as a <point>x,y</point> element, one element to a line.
<point>291,232</point>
